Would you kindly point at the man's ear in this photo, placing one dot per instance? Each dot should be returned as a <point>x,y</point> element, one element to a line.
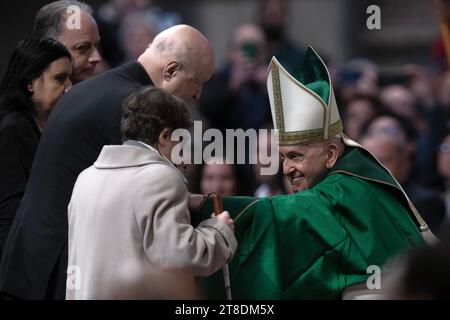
<point>332,155</point>
<point>170,70</point>
<point>164,136</point>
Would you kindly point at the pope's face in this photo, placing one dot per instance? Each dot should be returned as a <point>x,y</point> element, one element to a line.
<point>304,165</point>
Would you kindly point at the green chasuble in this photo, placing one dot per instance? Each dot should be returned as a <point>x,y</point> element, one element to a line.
<point>314,243</point>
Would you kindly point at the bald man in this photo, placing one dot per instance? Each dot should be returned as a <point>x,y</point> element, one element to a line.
<point>34,263</point>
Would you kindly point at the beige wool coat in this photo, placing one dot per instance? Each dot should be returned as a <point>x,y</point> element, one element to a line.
<point>131,206</point>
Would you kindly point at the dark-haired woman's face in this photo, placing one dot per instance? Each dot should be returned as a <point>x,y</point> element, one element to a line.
<point>51,85</point>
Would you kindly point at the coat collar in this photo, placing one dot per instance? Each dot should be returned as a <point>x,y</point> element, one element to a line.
<point>131,154</point>
<point>138,73</point>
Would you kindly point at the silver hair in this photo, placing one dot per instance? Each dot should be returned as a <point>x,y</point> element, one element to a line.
<point>50,19</point>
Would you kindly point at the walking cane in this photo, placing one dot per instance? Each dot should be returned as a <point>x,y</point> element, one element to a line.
<point>217,201</point>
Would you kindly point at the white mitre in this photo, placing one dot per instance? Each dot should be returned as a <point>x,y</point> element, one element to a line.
<point>303,106</point>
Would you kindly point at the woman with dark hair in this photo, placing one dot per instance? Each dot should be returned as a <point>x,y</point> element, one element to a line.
<point>38,74</point>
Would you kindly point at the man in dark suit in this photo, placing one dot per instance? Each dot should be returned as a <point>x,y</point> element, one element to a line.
<point>34,263</point>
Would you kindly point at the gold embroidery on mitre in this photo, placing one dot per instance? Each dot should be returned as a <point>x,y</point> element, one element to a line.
<point>277,97</point>
<point>308,136</point>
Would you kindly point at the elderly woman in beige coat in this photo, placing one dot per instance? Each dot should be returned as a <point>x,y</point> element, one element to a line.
<point>130,207</point>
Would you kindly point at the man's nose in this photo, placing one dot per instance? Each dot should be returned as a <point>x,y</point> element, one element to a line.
<point>95,56</point>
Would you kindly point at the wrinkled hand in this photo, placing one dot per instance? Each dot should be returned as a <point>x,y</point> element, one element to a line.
<point>225,218</point>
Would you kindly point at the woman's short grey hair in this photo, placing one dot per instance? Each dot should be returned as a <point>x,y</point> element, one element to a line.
<point>50,19</point>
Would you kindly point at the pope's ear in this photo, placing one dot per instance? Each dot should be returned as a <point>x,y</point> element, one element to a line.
<point>332,155</point>
<point>170,70</point>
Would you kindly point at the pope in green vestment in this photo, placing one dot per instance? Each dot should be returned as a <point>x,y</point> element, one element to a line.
<point>316,242</point>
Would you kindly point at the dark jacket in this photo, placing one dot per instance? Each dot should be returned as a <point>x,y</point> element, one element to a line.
<point>34,261</point>
<point>19,138</point>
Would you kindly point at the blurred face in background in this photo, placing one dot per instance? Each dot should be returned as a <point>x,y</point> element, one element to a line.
<point>137,30</point>
<point>390,153</point>
<point>122,6</point>
<point>218,178</point>
<point>388,142</point>
<point>138,40</point>
<point>399,100</point>
<point>387,125</point>
<point>82,45</point>
<point>272,18</point>
<point>444,158</point>
<point>51,85</point>
<point>248,44</point>
<point>357,113</point>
